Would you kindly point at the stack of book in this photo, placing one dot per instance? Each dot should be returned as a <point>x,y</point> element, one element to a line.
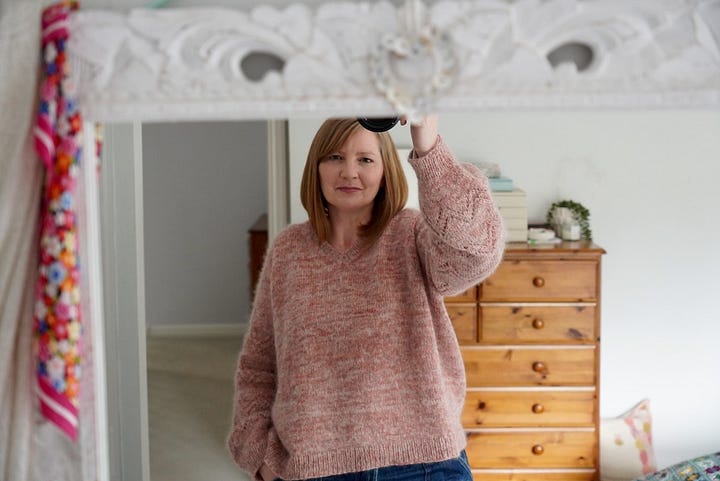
<point>501,184</point>
<point>513,209</point>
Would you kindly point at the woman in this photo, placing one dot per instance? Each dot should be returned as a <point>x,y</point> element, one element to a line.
<point>351,364</point>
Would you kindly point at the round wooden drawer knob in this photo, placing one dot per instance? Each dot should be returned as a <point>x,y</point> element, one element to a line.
<point>538,323</point>
<point>538,282</point>
<point>538,408</point>
<point>538,449</point>
<point>539,366</point>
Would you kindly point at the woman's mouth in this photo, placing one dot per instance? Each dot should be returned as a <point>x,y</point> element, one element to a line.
<point>348,189</point>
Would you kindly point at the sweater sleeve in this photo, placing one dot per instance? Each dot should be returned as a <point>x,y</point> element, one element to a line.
<point>255,383</point>
<point>460,236</point>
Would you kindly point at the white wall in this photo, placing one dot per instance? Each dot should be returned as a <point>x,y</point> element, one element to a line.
<point>650,180</point>
<point>205,184</point>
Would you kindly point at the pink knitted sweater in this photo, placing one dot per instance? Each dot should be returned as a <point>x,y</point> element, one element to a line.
<point>351,362</point>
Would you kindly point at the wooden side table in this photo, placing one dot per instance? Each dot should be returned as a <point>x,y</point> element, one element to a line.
<point>258,238</point>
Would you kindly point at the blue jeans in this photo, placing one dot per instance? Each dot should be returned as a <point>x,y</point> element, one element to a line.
<point>455,469</point>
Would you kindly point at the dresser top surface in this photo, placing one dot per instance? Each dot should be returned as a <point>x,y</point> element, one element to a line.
<point>564,248</point>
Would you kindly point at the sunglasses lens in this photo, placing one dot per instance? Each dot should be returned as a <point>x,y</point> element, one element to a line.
<point>378,124</point>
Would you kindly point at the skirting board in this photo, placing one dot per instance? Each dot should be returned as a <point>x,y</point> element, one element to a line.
<point>197,330</point>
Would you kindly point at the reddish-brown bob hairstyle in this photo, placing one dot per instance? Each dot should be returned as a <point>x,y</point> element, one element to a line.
<point>389,200</point>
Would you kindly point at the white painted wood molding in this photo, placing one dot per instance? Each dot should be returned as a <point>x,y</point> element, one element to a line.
<point>376,58</point>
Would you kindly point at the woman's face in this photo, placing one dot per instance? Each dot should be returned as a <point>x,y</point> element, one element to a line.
<point>351,177</point>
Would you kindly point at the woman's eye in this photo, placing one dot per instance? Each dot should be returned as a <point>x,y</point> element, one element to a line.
<point>367,160</point>
<point>334,157</point>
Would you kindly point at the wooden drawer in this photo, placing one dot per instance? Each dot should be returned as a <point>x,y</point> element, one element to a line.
<point>519,366</point>
<point>528,449</point>
<point>494,409</point>
<point>468,296</point>
<point>464,320</point>
<point>528,280</point>
<point>538,475</point>
<point>537,323</point>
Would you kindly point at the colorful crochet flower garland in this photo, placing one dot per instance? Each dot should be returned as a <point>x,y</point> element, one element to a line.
<point>56,320</point>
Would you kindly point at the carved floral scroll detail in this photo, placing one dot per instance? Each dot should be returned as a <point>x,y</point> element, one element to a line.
<point>412,67</point>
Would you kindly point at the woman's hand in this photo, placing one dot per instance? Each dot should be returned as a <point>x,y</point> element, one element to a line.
<point>266,473</point>
<point>424,134</point>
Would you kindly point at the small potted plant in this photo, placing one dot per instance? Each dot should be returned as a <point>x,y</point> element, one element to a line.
<point>567,217</point>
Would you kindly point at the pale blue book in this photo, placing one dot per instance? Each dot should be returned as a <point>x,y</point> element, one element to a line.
<point>501,184</point>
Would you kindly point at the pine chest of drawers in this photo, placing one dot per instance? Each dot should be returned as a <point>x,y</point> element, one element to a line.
<point>530,339</point>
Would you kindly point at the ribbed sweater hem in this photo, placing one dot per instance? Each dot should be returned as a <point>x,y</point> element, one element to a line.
<point>363,458</point>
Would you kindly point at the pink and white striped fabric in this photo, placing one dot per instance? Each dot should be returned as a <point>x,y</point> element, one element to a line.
<point>56,318</point>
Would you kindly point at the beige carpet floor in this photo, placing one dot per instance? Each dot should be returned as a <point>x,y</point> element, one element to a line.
<point>190,392</point>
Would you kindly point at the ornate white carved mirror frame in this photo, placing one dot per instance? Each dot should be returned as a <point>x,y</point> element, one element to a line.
<point>373,59</point>
<point>378,58</point>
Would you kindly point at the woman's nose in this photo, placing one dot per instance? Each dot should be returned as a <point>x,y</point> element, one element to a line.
<point>348,170</point>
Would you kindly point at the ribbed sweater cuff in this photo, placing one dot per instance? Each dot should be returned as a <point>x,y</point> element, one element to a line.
<point>247,450</point>
<point>435,163</point>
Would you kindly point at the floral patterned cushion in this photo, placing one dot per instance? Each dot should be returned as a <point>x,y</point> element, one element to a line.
<point>626,449</point>
<point>704,468</point>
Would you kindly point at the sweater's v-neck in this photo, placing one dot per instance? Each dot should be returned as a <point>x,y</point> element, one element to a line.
<point>346,256</point>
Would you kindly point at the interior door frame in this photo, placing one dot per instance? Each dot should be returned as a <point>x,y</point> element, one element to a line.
<point>123,433</point>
